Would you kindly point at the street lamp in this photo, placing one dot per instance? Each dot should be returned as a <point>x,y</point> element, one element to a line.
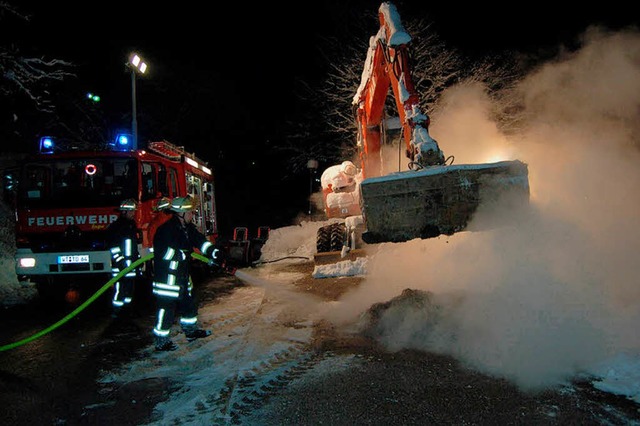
<point>136,65</point>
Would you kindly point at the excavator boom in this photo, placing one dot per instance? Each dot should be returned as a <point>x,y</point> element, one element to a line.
<point>387,66</point>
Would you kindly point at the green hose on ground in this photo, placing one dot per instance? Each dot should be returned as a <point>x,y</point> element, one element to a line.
<point>79,308</point>
<point>90,301</point>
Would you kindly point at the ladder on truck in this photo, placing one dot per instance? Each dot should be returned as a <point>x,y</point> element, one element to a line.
<point>171,151</point>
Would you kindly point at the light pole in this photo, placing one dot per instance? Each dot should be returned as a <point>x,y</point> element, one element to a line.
<point>312,165</point>
<point>136,65</point>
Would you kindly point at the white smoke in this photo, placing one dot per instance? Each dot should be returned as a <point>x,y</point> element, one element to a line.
<point>543,300</point>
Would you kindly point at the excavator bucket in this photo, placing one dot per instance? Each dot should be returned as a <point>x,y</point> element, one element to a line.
<point>438,199</point>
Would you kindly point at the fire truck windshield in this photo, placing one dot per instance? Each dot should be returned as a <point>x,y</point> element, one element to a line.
<point>86,182</point>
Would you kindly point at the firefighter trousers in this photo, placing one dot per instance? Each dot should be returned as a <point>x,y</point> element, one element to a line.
<point>123,292</point>
<point>168,307</point>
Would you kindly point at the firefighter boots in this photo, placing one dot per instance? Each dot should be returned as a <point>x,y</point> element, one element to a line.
<point>164,344</point>
<point>197,333</point>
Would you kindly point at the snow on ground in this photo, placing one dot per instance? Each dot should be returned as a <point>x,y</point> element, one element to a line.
<point>254,338</point>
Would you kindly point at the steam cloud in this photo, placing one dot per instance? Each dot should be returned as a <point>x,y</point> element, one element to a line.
<point>543,300</point>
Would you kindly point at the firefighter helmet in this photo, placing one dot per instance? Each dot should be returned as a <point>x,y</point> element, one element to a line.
<point>128,205</point>
<point>163,204</point>
<point>182,204</point>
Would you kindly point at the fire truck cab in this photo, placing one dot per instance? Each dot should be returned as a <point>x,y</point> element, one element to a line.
<point>65,201</point>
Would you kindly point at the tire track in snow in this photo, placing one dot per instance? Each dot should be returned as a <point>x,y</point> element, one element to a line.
<point>259,343</point>
<point>275,351</point>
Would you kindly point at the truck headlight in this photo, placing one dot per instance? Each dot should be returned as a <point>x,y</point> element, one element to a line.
<point>27,262</point>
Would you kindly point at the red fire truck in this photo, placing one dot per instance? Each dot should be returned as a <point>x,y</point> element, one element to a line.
<point>64,202</point>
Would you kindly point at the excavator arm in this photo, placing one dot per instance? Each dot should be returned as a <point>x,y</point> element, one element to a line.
<point>387,66</point>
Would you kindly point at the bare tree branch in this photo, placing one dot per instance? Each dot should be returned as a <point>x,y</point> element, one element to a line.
<point>328,132</point>
<point>8,9</point>
<point>31,77</point>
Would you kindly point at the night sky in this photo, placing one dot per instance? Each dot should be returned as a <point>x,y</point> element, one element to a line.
<point>221,81</point>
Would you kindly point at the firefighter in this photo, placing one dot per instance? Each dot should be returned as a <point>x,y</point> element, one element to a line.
<point>173,244</point>
<point>124,236</point>
<point>163,214</point>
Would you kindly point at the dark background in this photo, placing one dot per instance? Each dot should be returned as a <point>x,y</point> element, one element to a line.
<point>222,75</point>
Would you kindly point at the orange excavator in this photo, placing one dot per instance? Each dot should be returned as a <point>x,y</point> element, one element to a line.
<point>433,196</point>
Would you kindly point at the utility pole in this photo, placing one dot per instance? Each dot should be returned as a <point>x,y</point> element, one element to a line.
<point>312,165</point>
<point>135,64</point>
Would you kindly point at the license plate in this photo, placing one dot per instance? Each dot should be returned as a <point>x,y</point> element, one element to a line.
<point>75,258</point>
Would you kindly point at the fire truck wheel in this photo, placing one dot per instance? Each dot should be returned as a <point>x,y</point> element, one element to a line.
<point>50,289</point>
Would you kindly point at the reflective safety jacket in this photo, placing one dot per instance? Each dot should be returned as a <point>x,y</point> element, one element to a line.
<point>172,248</point>
<point>160,218</point>
<point>123,244</point>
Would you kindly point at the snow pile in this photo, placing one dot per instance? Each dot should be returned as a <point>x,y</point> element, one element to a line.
<point>344,268</point>
<point>297,241</point>
<point>12,291</point>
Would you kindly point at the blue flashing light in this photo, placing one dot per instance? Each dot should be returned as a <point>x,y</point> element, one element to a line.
<point>46,145</point>
<point>123,142</point>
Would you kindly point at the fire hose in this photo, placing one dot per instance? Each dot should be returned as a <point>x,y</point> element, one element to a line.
<point>91,299</point>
